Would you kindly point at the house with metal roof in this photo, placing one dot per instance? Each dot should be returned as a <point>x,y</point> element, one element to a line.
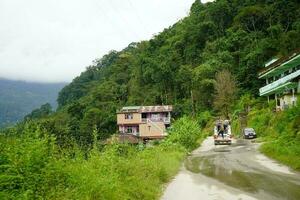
<point>144,122</point>
<point>282,78</point>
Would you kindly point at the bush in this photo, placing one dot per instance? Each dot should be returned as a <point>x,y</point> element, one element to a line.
<point>33,167</point>
<point>204,118</point>
<point>29,169</point>
<point>185,132</point>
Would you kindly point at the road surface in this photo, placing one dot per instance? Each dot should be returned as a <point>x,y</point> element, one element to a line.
<point>232,172</point>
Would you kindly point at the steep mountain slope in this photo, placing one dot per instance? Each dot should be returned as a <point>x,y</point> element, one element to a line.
<point>18,98</point>
<point>178,65</point>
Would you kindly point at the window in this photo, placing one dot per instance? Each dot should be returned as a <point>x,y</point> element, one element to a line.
<point>129,129</point>
<point>278,102</point>
<point>129,116</point>
<point>155,116</point>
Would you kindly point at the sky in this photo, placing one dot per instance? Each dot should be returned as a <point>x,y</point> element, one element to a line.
<point>55,40</point>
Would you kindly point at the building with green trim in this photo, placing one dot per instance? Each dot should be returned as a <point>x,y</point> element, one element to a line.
<point>282,78</point>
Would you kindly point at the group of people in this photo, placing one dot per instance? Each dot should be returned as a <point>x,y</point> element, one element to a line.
<point>222,127</point>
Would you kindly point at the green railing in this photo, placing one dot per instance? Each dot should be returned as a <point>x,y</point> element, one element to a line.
<point>272,87</point>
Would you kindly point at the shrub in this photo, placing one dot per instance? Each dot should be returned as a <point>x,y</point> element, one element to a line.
<point>203,118</point>
<point>31,167</point>
<point>185,132</point>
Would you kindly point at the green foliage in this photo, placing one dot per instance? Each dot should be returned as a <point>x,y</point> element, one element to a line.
<point>178,66</point>
<point>252,18</point>
<point>204,118</point>
<point>280,131</point>
<point>185,132</point>
<point>33,166</point>
<point>41,112</point>
<point>29,169</point>
<point>123,172</point>
<point>225,88</point>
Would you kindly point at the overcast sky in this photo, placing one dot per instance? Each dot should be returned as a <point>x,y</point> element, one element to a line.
<point>54,40</point>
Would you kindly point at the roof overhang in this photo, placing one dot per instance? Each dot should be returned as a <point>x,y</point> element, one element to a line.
<point>146,109</point>
<point>295,61</point>
<point>279,83</point>
<point>280,88</point>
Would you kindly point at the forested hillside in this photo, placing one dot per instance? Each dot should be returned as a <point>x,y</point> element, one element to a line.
<point>18,98</point>
<point>178,65</point>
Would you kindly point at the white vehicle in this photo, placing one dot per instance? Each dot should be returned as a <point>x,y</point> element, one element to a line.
<point>222,132</point>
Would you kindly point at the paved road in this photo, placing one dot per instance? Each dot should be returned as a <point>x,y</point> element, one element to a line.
<point>232,172</point>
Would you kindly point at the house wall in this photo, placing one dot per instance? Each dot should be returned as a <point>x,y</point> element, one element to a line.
<point>155,129</point>
<point>286,101</point>
<point>135,120</point>
<point>123,128</point>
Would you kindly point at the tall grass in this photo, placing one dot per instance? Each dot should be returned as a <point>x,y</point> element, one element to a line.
<point>32,166</point>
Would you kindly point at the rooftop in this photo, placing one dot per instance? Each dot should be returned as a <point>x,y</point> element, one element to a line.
<point>280,65</point>
<point>146,109</point>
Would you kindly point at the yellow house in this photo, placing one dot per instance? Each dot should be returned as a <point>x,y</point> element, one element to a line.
<point>144,122</point>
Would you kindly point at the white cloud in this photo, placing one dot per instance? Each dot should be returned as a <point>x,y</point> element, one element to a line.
<point>54,40</point>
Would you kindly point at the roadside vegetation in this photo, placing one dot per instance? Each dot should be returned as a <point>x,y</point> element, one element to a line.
<point>33,166</point>
<point>281,133</point>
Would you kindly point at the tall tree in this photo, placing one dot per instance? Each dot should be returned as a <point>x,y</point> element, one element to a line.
<point>225,92</point>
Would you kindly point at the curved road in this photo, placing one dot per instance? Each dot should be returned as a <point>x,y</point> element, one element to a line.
<point>232,172</point>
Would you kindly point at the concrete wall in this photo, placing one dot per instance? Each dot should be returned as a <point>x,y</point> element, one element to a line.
<point>135,120</point>
<point>123,128</point>
<point>287,101</point>
<point>155,129</point>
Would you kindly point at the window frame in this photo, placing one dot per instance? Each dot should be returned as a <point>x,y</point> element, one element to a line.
<point>128,115</point>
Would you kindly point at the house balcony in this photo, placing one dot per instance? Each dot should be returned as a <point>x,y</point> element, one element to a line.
<point>166,120</point>
<point>280,84</point>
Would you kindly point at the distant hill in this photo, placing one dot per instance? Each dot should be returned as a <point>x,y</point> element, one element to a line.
<point>18,98</point>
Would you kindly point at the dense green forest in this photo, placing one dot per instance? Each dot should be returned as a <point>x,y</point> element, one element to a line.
<point>19,98</point>
<point>61,155</point>
<point>178,65</point>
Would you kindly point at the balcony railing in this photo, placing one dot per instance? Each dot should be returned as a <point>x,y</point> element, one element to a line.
<point>270,87</point>
<point>160,119</point>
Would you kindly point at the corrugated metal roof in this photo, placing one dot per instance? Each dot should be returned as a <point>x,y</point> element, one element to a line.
<point>278,63</point>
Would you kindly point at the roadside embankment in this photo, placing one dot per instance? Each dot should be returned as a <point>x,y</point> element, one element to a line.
<point>279,132</point>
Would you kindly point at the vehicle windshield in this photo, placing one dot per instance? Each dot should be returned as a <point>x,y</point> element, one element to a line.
<point>249,130</point>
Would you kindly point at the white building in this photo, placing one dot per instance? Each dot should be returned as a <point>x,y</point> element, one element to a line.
<point>282,78</point>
